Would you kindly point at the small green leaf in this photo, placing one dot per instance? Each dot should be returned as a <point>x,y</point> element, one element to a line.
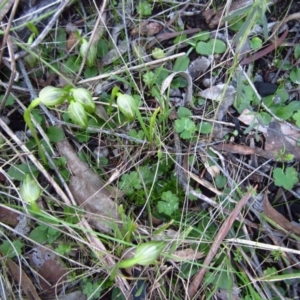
<point>220,181</point>
<point>169,204</point>
<point>295,75</point>
<point>39,234</point>
<point>283,112</point>
<point>33,28</point>
<point>11,249</point>
<point>202,36</point>
<point>91,72</point>
<point>92,290</point>
<point>203,48</point>
<point>63,249</point>
<point>9,101</point>
<point>185,127</point>
<point>184,112</point>
<point>264,118</point>
<point>149,78</point>
<point>102,48</point>
<point>287,179</point>
<point>217,46</point>
<point>205,127</point>
<point>137,134</point>
<point>294,105</point>
<point>179,39</point>
<point>297,51</point>
<point>129,182</point>
<point>283,94</point>
<point>255,43</point>
<point>296,117</point>
<point>17,172</point>
<point>211,47</point>
<point>181,63</point>
<point>55,134</point>
<point>72,65</point>
<point>144,8</point>
<point>158,53</point>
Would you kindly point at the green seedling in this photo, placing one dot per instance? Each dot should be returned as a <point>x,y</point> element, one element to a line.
<point>169,203</point>
<point>144,8</point>
<point>11,249</point>
<point>255,43</point>
<point>158,53</point>
<point>287,178</point>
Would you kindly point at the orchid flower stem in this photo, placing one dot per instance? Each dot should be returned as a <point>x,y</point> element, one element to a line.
<point>28,121</point>
<point>35,208</point>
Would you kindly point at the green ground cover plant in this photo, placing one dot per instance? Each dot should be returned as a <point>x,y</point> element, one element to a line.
<point>129,178</point>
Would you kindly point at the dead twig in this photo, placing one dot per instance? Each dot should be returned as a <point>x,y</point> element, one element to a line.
<point>7,27</point>
<point>12,74</point>
<point>217,242</point>
<point>265,51</point>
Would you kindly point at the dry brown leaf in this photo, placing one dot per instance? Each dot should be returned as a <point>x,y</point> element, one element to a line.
<point>244,150</point>
<point>282,138</point>
<point>77,295</point>
<point>89,191</point>
<point>278,218</point>
<point>19,276</point>
<point>9,217</point>
<point>279,136</point>
<point>223,294</point>
<point>72,40</point>
<point>50,268</point>
<point>223,93</point>
<point>147,28</point>
<point>186,254</point>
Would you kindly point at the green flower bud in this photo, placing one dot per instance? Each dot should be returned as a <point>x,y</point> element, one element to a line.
<point>77,114</point>
<point>51,96</point>
<point>127,105</point>
<point>31,60</point>
<point>30,190</point>
<point>84,97</point>
<point>145,254</point>
<point>92,53</point>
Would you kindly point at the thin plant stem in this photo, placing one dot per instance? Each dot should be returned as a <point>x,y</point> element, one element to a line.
<point>28,121</point>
